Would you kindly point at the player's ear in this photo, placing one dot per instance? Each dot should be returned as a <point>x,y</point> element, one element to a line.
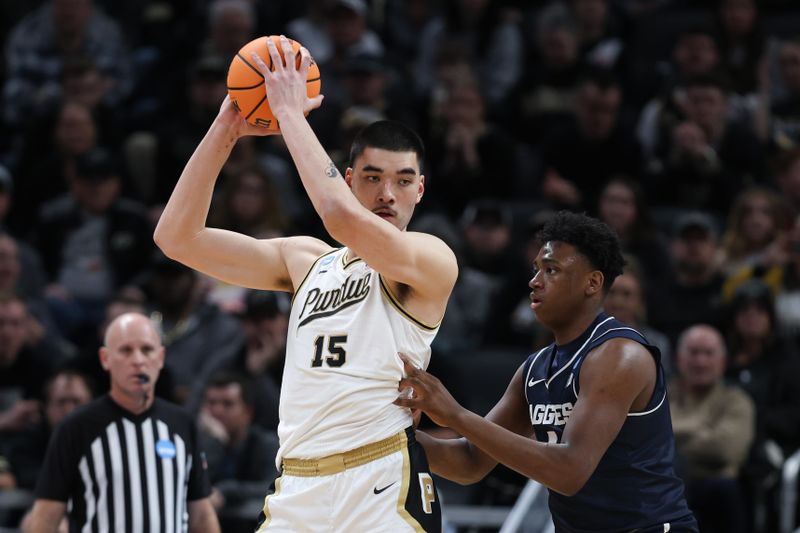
<point>104,358</point>
<point>348,177</point>
<point>594,283</point>
<point>421,189</point>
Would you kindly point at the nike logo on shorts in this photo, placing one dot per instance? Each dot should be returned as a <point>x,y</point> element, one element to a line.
<point>376,490</point>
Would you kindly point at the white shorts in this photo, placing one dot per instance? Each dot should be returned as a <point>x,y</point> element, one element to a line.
<point>391,494</point>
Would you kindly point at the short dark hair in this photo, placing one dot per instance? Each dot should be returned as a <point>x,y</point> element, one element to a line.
<point>223,378</point>
<point>592,238</point>
<point>387,135</point>
<point>70,373</point>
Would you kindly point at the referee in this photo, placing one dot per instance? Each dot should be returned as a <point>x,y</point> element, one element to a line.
<point>127,461</point>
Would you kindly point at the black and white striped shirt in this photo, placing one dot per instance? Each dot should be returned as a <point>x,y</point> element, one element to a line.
<point>123,472</point>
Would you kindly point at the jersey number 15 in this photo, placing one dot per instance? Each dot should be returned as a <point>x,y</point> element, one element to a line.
<point>336,352</point>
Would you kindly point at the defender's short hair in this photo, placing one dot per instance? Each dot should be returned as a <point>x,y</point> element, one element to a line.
<point>592,238</point>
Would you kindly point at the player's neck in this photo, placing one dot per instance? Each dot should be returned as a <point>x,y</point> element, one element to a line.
<point>574,327</point>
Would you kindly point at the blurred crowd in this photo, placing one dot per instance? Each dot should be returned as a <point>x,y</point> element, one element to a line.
<point>677,122</point>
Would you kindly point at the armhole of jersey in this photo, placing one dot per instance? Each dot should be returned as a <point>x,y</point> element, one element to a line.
<point>311,268</point>
<point>396,304</point>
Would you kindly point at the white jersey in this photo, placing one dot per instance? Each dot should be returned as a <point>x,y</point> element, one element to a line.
<point>342,368</point>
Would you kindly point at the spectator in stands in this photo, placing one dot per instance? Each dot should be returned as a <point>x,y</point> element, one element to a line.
<point>64,391</point>
<point>93,242</point>
<point>470,156</point>
<point>756,231</point>
<point>403,23</point>
<point>693,295</point>
<point>487,228</point>
<point>21,270</point>
<point>185,125</point>
<point>595,147</point>
<point>782,98</point>
<point>489,38</point>
<point>599,32</point>
<point>767,367</point>
<point>543,100</point>
<point>241,455</point>
<point>232,24</point>
<point>765,364</point>
<point>49,160</point>
<point>708,159</point>
<point>787,288</point>
<point>622,205</point>
<point>369,82</point>
<point>197,334</point>
<point>626,302</point>
<point>265,320</point>
<point>694,53</point>
<point>248,203</point>
<point>334,30</point>
<point>464,327</point>
<point>787,178</point>
<point>714,425</point>
<point>26,360</point>
<point>39,44</point>
<point>742,43</point>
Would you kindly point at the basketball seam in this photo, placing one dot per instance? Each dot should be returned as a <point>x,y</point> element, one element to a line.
<point>245,88</point>
<point>256,107</point>
<point>249,65</point>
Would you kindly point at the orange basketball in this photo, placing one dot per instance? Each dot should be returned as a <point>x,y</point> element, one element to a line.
<point>246,84</point>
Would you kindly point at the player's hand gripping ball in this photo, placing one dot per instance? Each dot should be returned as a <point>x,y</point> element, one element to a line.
<point>246,83</point>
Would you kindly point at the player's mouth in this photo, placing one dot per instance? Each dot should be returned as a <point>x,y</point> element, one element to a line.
<point>535,301</point>
<point>384,212</point>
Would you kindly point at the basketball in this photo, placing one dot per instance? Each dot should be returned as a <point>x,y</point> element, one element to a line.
<point>246,83</point>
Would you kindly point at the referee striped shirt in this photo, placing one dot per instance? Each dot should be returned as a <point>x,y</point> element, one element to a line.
<point>118,471</point>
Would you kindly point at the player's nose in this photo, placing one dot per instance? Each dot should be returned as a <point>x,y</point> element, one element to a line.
<point>386,194</point>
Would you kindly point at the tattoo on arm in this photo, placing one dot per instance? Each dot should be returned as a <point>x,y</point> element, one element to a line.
<point>331,171</point>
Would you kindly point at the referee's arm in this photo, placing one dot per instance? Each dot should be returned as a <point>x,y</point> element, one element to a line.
<point>202,518</point>
<point>45,517</point>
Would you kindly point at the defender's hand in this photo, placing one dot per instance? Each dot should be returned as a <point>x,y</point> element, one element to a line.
<point>429,395</point>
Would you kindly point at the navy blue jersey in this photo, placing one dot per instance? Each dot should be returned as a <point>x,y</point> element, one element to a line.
<point>634,485</point>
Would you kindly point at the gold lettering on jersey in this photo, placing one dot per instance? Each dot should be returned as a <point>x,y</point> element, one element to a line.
<point>320,303</point>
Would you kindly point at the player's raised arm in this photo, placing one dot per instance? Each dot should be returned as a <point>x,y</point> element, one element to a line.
<point>386,184</point>
<point>235,258</point>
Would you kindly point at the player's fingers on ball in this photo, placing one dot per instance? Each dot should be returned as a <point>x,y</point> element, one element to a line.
<point>262,67</point>
<point>277,63</point>
<point>305,59</point>
<point>286,46</point>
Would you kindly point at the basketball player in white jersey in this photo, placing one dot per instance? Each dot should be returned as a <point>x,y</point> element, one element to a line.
<point>348,458</point>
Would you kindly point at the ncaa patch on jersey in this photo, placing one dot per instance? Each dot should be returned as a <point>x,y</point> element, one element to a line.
<point>165,449</point>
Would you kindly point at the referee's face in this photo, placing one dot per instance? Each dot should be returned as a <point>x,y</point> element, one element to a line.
<point>133,355</point>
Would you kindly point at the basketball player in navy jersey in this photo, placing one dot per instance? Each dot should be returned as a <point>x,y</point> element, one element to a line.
<point>586,416</point>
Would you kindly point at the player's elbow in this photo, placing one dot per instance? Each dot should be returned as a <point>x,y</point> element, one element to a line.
<point>574,480</point>
<point>168,244</point>
<point>163,237</point>
<point>570,487</point>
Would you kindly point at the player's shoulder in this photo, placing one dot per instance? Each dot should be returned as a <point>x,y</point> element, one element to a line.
<point>619,356</point>
<point>304,247</point>
<point>428,240</point>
